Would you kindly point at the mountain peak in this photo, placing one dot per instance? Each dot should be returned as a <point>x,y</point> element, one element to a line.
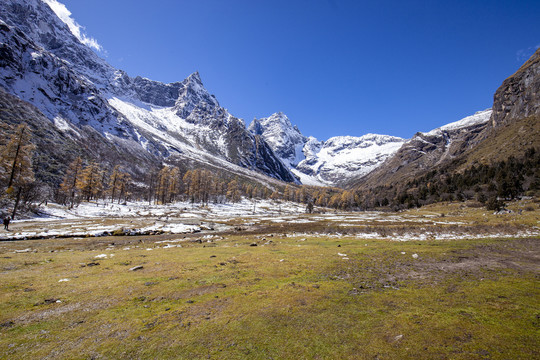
<point>284,138</point>
<point>195,77</point>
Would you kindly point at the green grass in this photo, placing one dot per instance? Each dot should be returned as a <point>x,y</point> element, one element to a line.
<point>289,299</point>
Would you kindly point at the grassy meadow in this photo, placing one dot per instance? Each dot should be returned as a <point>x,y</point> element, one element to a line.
<point>275,295</point>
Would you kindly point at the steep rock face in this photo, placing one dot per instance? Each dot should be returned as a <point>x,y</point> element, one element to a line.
<point>40,24</point>
<point>425,151</point>
<point>43,79</point>
<point>332,162</point>
<point>284,138</point>
<point>43,63</point>
<point>342,158</point>
<point>519,95</point>
<point>155,92</point>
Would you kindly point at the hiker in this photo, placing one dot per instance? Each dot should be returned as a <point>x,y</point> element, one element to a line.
<point>6,223</point>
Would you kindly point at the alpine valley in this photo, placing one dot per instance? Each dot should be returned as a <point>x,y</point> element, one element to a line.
<point>76,104</point>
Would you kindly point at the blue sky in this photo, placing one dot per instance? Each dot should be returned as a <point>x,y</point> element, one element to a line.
<point>335,67</point>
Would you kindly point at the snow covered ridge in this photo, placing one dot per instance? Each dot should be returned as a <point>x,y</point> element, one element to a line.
<point>329,162</point>
<point>343,158</point>
<point>478,118</point>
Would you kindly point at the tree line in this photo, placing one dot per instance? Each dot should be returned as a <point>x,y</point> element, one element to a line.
<point>90,180</point>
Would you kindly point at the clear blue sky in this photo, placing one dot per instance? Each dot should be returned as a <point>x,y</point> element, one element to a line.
<point>335,67</point>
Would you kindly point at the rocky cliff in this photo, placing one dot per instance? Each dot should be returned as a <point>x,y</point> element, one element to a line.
<point>519,95</point>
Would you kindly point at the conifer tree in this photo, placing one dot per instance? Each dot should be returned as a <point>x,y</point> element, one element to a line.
<point>114,181</point>
<point>16,159</point>
<point>69,186</point>
<point>125,180</point>
<point>118,184</point>
<point>16,164</point>
<point>162,189</point>
<point>90,183</point>
<point>175,182</point>
<point>189,186</point>
<point>233,192</point>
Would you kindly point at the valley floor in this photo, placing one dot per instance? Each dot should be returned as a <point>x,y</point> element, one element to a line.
<point>227,282</point>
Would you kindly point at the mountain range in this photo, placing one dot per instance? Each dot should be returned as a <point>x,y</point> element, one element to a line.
<point>78,104</point>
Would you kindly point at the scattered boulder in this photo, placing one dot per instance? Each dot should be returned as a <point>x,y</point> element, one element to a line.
<point>135,268</point>
<point>51,301</point>
<point>7,324</point>
<point>253,244</point>
<point>23,251</point>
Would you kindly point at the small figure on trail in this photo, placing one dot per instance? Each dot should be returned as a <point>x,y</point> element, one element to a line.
<point>7,219</point>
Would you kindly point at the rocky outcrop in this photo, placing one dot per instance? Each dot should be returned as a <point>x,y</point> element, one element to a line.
<point>519,95</point>
<point>285,139</point>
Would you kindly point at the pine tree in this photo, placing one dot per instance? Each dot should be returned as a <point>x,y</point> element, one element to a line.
<point>90,183</point>
<point>118,184</point>
<point>188,185</point>
<point>69,186</point>
<point>233,191</point>
<point>162,190</point>
<point>114,182</point>
<point>16,164</point>
<point>16,159</point>
<point>175,182</point>
<point>125,180</point>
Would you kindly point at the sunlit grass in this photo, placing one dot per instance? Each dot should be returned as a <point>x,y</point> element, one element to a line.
<point>290,297</point>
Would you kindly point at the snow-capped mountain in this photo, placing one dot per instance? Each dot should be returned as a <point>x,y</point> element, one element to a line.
<point>330,162</point>
<point>285,139</point>
<point>342,158</point>
<point>446,141</point>
<point>425,151</point>
<point>43,63</point>
<point>479,118</point>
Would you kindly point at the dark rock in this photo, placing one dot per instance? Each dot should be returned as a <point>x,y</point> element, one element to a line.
<point>519,95</point>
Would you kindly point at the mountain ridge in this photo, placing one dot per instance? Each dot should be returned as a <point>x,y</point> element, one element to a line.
<point>84,97</point>
<point>73,87</point>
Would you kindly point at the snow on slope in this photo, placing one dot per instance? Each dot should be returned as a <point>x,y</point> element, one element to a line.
<point>479,117</point>
<point>285,139</point>
<point>324,162</point>
<point>344,157</point>
<point>177,135</point>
